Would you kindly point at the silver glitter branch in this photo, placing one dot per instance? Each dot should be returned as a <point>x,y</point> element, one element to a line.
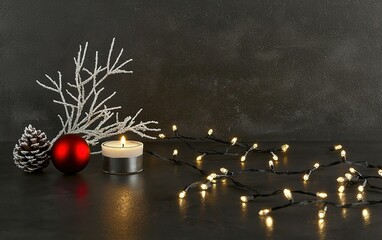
<point>86,112</point>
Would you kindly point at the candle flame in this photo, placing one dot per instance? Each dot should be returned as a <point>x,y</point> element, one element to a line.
<point>123,141</point>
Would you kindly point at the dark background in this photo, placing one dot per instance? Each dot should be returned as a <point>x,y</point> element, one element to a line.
<point>286,70</point>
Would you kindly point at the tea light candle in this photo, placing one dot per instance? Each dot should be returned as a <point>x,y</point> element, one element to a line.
<point>122,157</point>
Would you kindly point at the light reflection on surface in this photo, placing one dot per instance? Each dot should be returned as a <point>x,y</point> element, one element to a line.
<point>321,228</point>
<point>344,212</point>
<point>285,159</point>
<point>269,226</point>
<point>76,184</point>
<point>244,211</point>
<point>342,198</point>
<point>244,206</point>
<point>199,164</point>
<point>203,194</point>
<point>242,164</point>
<point>124,206</point>
<point>366,216</point>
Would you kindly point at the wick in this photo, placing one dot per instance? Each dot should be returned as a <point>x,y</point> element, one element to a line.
<point>123,145</point>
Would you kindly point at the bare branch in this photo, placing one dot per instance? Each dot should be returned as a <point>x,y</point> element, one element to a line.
<point>93,124</point>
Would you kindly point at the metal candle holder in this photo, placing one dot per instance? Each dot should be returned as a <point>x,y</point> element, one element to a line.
<point>122,165</point>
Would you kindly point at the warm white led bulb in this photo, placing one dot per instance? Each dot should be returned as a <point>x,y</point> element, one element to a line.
<point>199,158</point>
<point>316,165</point>
<point>210,132</point>
<point>234,140</point>
<point>343,153</point>
<point>359,196</point>
<point>211,177</point>
<point>361,188</point>
<point>337,147</point>
<point>247,198</point>
<point>341,189</point>
<point>264,212</point>
<point>274,156</point>
<point>340,179</point>
<point>306,177</point>
<point>321,195</point>
<point>175,152</point>
<point>270,163</point>
<point>380,172</point>
<point>182,194</point>
<point>162,136</point>
<point>224,170</point>
<point>243,158</point>
<point>284,147</point>
<point>348,176</point>
<point>174,128</point>
<point>204,186</point>
<point>254,145</point>
<point>321,214</point>
<point>352,170</point>
<point>288,194</point>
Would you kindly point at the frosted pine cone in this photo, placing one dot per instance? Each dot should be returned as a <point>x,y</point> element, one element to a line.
<point>31,153</point>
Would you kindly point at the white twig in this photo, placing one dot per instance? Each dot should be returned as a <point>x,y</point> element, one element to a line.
<point>82,112</point>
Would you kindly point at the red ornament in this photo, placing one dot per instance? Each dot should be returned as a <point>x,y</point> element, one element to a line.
<point>70,153</point>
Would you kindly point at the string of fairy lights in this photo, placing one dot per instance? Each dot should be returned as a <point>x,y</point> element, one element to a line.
<point>352,178</point>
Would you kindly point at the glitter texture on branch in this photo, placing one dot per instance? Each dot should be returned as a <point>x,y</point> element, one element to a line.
<point>86,112</point>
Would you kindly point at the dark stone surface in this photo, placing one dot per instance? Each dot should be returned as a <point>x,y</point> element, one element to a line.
<point>304,70</point>
<point>94,205</point>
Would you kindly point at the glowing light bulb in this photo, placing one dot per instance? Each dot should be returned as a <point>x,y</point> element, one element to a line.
<point>361,188</point>
<point>264,212</point>
<point>254,145</point>
<point>123,141</point>
<point>337,147</point>
<point>306,177</point>
<point>224,170</point>
<point>341,189</point>
<point>162,136</point>
<point>271,165</point>
<point>199,158</point>
<point>321,195</point>
<point>211,177</point>
<point>274,156</point>
<point>247,198</point>
<point>321,214</point>
<point>174,128</point>
<point>352,170</point>
<point>284,147</point>
<point>340,179</point>
<point>380,172</point>
<point>175,152</point>
<point>359,196</point>
<point>316,165</point>
<point>348,176</point>
<point>288,194</point>
<point>234,140</point>
<point>343,153</point>
<point>204,186</point>
<point>210,132</point>
<point>182,194</point>
<point>243,158</point>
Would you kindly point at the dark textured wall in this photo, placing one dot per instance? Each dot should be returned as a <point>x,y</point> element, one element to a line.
<point>298,70</point>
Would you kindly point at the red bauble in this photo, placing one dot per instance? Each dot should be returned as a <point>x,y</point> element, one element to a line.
<point>70,153</point>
